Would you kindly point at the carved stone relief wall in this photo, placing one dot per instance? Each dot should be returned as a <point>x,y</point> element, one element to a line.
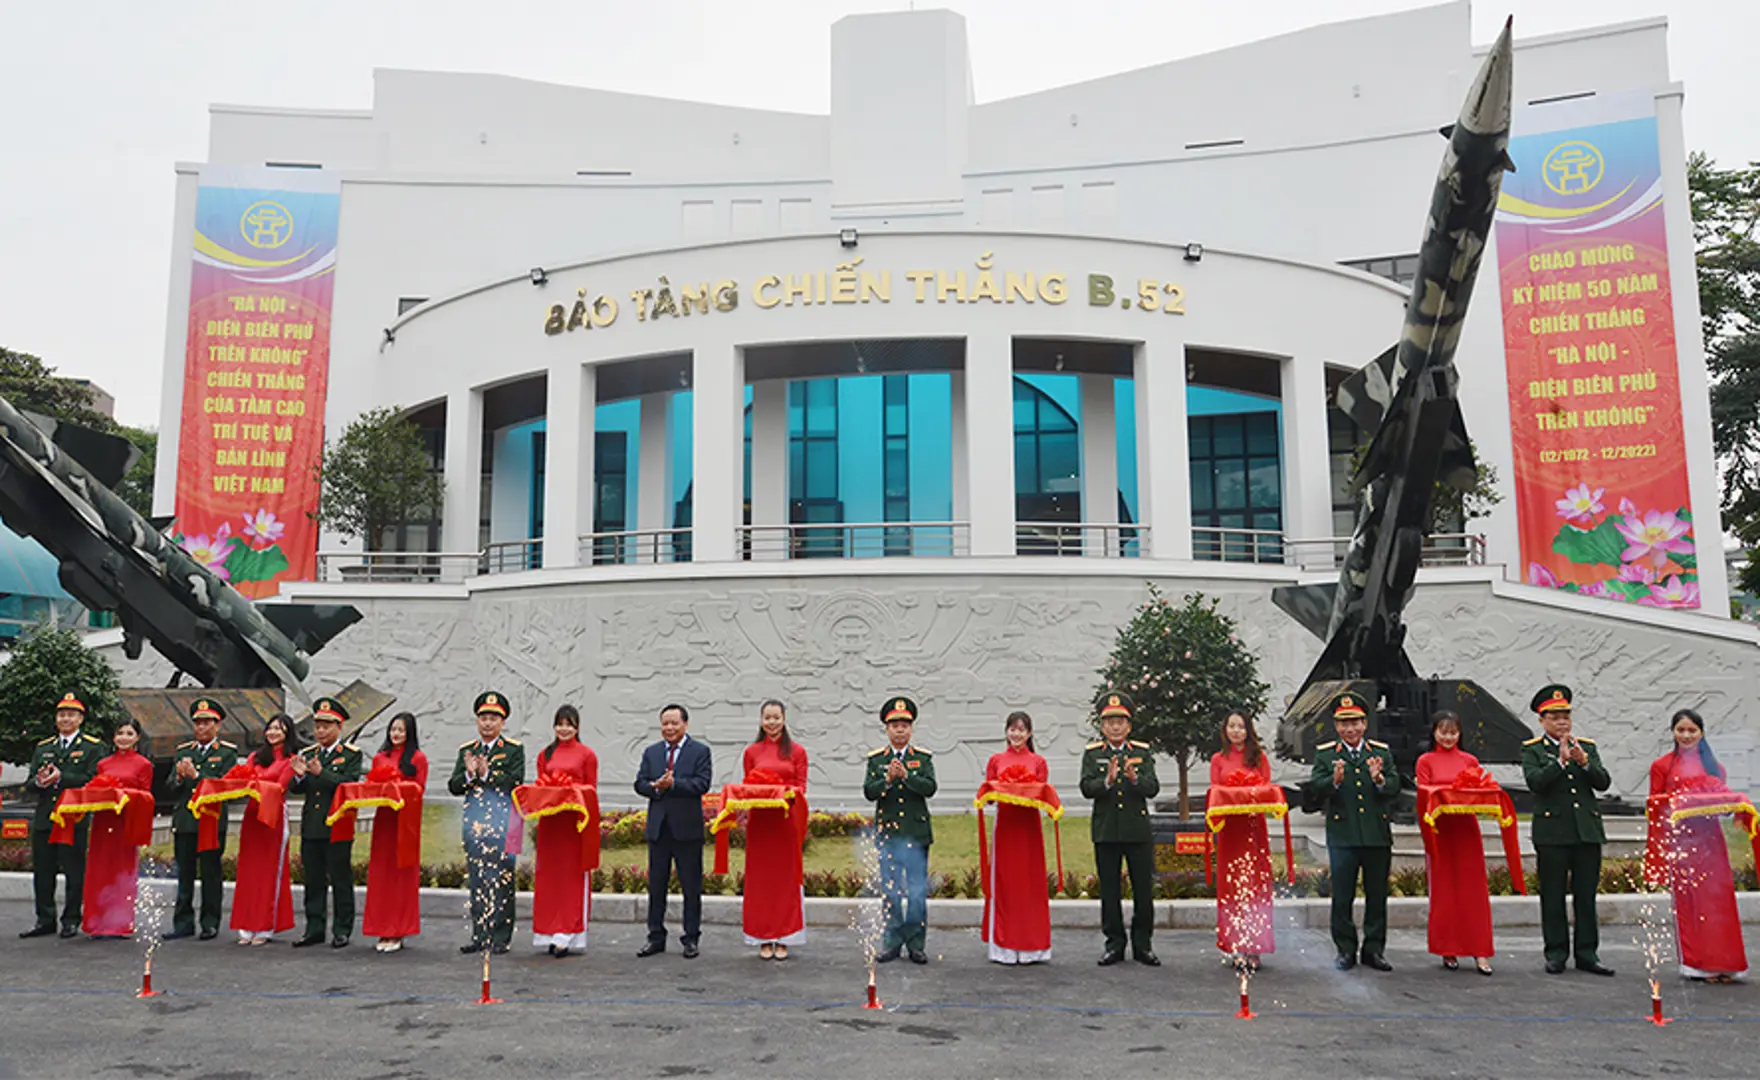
<point>969,650</point>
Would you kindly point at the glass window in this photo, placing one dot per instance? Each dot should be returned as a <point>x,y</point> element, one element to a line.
<point>821,469</point>
<point>1228,436</point>
<point>1263,476</point>
<point>1236,483</point>
<point>1026,412</point>
<point>1026,465</point>
<point>1203,488</point>
<point>898,471</point>
<point>1198,437</point>
<point>1231,483</point>
<point>1060,457</point>
<point>1262,433</point>
<point>822,407</point>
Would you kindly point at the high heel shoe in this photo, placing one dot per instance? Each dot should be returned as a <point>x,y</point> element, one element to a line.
<point>1451,963</point>
<point>1482,964</point>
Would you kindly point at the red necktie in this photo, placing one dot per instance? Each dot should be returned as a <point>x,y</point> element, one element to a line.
<point>671,755</point>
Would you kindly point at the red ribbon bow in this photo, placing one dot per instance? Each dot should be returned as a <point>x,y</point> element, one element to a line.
<point>1242,778</point>
<point>244,770</point>
<point>1017,774</point>
<point>104,780</point>
<point>1474,778</point>
<point>763,776</point>
<point>384,773</point>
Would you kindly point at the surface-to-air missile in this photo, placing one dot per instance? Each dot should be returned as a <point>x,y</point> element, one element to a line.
<point>1405,401</point>
<point>112,559</point>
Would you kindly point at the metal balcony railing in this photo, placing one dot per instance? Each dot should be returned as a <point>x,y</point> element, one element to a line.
<point>1268,546</point>
<point>1094,539</point>
<point>512,556</point>
<point>399,567</point>
<point>855,540</point>
<point>635,546</point>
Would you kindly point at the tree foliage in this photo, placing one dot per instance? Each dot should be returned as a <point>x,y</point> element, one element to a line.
<point>1726,213</point>
<point>377,474</point>
<point>136,488</point>
<point>41,667</point>
<point>1186,669</point>
<point>32,386</point>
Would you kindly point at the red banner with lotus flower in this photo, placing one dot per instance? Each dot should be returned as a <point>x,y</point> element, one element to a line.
<point>1601,488</point>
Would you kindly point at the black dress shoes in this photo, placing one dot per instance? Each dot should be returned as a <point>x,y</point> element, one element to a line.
<point>473,947</point>
<point>45,931</point>
<point>690,950</point>
<point>652,948</point>
<point>1376,961</point>
<point>308,942</point>
<point>69,931</point>
<point>558,953</point>
<point>340,941</point>
<point>176,935</point>
<point>888,955</point>
<point>1344,963</point>
<point>1555,967</point>
<point>1595,967</point>
<point>1111,957</point>
<point>209,935</point>
<point>919,957</point>
<point>1147,958</point>
<point>498,949</point>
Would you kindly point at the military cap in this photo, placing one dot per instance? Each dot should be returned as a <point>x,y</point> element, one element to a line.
<point>70,700</point>
<point>491,702</point>
<point>1116,703</point>
<point>1349,706</point>
<point>898,708</point>
<point>1551,698</point>
<point>203,709</point>
<point>330,710</point>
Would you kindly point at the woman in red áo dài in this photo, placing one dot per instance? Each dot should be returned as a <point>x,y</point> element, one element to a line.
<point>262,897</point>
<point>562,902</point>
<point>773,908</point>
<point>112,859</point>
<point>394,892</point>
<point>1696,868</point>
<point>1017,902</point>
<point>1243,850</point>
<point>1454,861</point>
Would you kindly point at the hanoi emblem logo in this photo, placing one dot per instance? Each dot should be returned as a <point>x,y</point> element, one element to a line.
<point>266,224</point>
<point>1572,168</point>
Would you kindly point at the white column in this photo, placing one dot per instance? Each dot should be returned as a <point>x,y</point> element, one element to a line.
<point>989,429</point>
<point>464,473</point>
<point>718,406</point>
<point>1099,462</point>
<point>770,466</point>
<point>1163,462</point>
<point>960,489</point>
<point>571,398</point>
<point>653,486</point>
<point>1307,461</point>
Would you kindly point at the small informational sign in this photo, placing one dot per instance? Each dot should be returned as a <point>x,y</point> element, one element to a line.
<point>1191,843</point>
<point>15,830</point>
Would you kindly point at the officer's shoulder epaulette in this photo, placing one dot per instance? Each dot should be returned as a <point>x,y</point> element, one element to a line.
<point>1534,740</point>
<point>46,742</point>
<point>1139,745</point>
<point>91,738</point>
<point>1327,745</point>
<point>921,750</point>
<point>878,751</point>
<point>1377,745</point>
<point>1591,742</point>
<point>511,742</point>
<point>186,745</point>
<point>1095,745</point>
<point>227,745</point>
<point>351,747</point>
<point>467,744</point>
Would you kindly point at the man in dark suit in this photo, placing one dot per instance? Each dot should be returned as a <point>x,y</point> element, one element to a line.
<point>674,776</point>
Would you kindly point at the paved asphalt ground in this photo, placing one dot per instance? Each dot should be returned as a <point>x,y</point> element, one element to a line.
<point>229,1012</point>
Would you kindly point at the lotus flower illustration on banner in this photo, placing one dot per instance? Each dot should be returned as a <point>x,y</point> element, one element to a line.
<point>232,558</point>
<point>1639,557</point>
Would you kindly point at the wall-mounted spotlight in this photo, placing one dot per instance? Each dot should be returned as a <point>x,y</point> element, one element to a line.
<point>539,277</point>
<point>848,238</point>
<point>1058,366</point>
<point>1194,252</point>
<point>684,379</point>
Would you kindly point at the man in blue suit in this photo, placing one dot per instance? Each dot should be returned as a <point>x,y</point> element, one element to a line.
<point>675,774</point>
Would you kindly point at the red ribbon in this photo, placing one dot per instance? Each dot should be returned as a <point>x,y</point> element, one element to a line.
<point>206,803</point>
<point>1229,799</point>
<point>750,797</point>
<point>1698,796</point>
<point>105,794</point>
<point>1476,793</point>
<point>556,793</point>
<point>403,795</point>
<point>1018,786</point>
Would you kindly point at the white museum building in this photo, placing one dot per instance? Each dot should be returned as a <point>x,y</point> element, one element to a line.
<point>913,396</point>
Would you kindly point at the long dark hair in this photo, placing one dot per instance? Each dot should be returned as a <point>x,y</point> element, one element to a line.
<point>264,755</point>
<point>1025,719</point>
<point>784,743</point>
<point>1252,752</point>
<point>563,712</point>
<point>128,722</point>
<point>412,742</point>
<point>1706,757</point>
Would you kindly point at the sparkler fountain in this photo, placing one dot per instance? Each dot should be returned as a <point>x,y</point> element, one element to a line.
<point>869,919</point>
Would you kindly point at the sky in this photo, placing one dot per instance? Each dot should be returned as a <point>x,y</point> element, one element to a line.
<point>99,100</point>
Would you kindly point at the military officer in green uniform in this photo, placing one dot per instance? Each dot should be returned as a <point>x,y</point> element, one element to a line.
<point>488,768</point>
<point>205,757</point>
<point>318,771</point>
<point>65,760</point>
<point>1564,772</point>
<point>1119,775</point>
<point>899,782</point>
<point>1358,781</point>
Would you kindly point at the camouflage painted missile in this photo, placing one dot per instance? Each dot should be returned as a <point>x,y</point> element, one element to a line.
<point>1406,398</point>
<point>112,559</point>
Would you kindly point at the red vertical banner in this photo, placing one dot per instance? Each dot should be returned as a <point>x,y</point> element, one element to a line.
<point>255,372</point>
<point>1594,385</point>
